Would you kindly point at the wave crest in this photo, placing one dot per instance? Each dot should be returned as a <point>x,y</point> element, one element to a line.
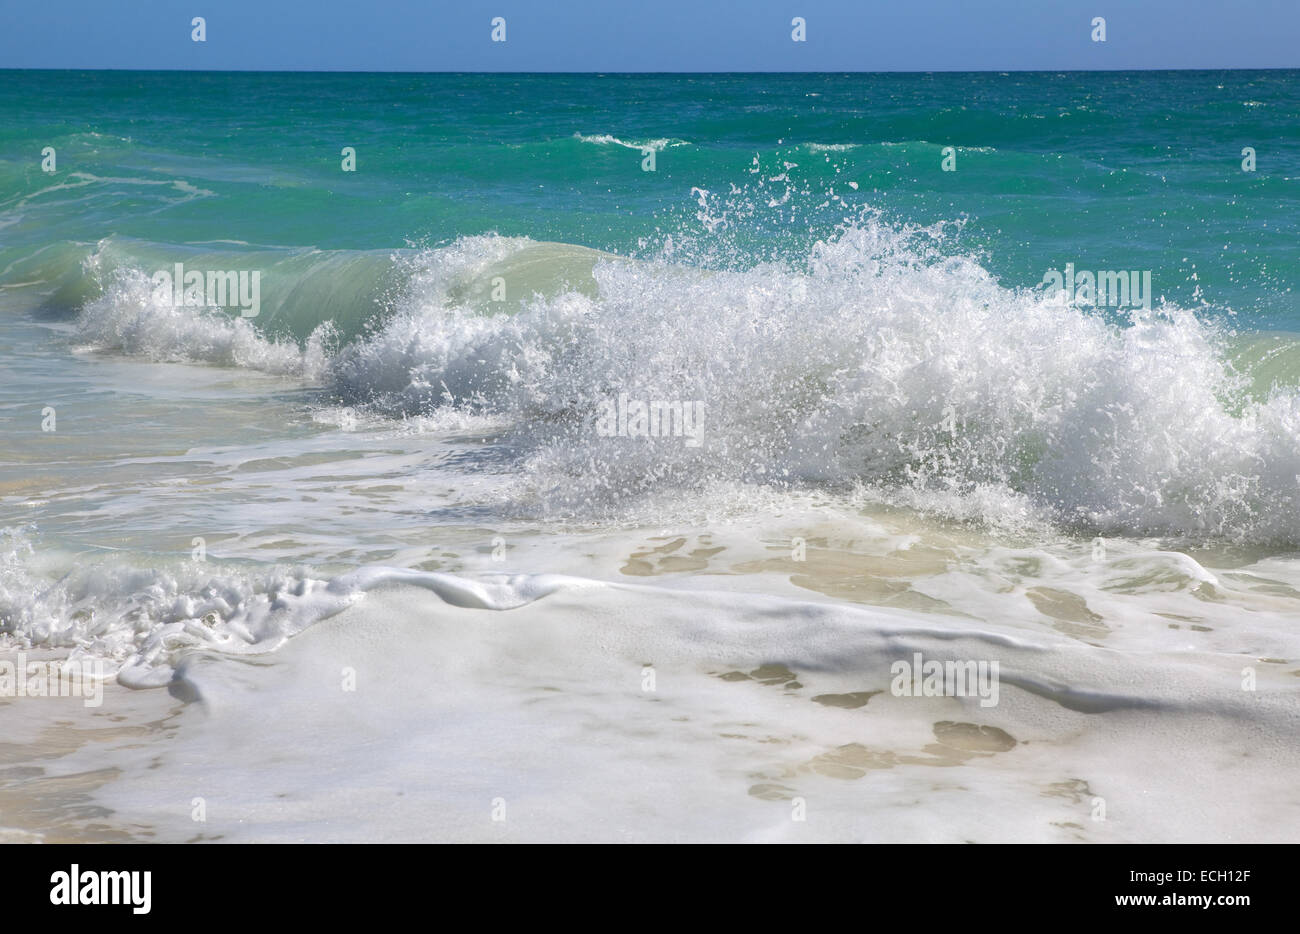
<point>882,361</point>
<point>879,362</point>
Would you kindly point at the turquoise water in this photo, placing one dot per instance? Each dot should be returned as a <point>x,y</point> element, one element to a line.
<point>1109,171</point>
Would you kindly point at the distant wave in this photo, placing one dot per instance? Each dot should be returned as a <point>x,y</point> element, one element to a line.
<point>604,139</point>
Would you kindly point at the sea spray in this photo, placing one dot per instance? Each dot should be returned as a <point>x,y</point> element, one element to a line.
<point>885,360</point>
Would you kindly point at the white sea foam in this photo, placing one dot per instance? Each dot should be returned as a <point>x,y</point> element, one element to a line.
<point>618,712</point>
<point>880,362</point>
<point>145,619</point>
<point>884,360</point>
<point>130,317</point>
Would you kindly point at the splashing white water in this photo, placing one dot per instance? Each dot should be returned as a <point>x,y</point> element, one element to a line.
<point>130,317</point>
<point>880,362</point>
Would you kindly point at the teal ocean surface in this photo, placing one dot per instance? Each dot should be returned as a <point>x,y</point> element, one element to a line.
<point>396,442</point>
<point>1110,171</point>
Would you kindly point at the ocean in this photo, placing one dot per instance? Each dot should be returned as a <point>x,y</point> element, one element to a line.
<point>737,457</point>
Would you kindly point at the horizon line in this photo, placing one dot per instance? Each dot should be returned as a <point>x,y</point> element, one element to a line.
<point>608,73</point>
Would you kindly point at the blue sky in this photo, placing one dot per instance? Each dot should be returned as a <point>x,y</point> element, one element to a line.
<point>650,35</point>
